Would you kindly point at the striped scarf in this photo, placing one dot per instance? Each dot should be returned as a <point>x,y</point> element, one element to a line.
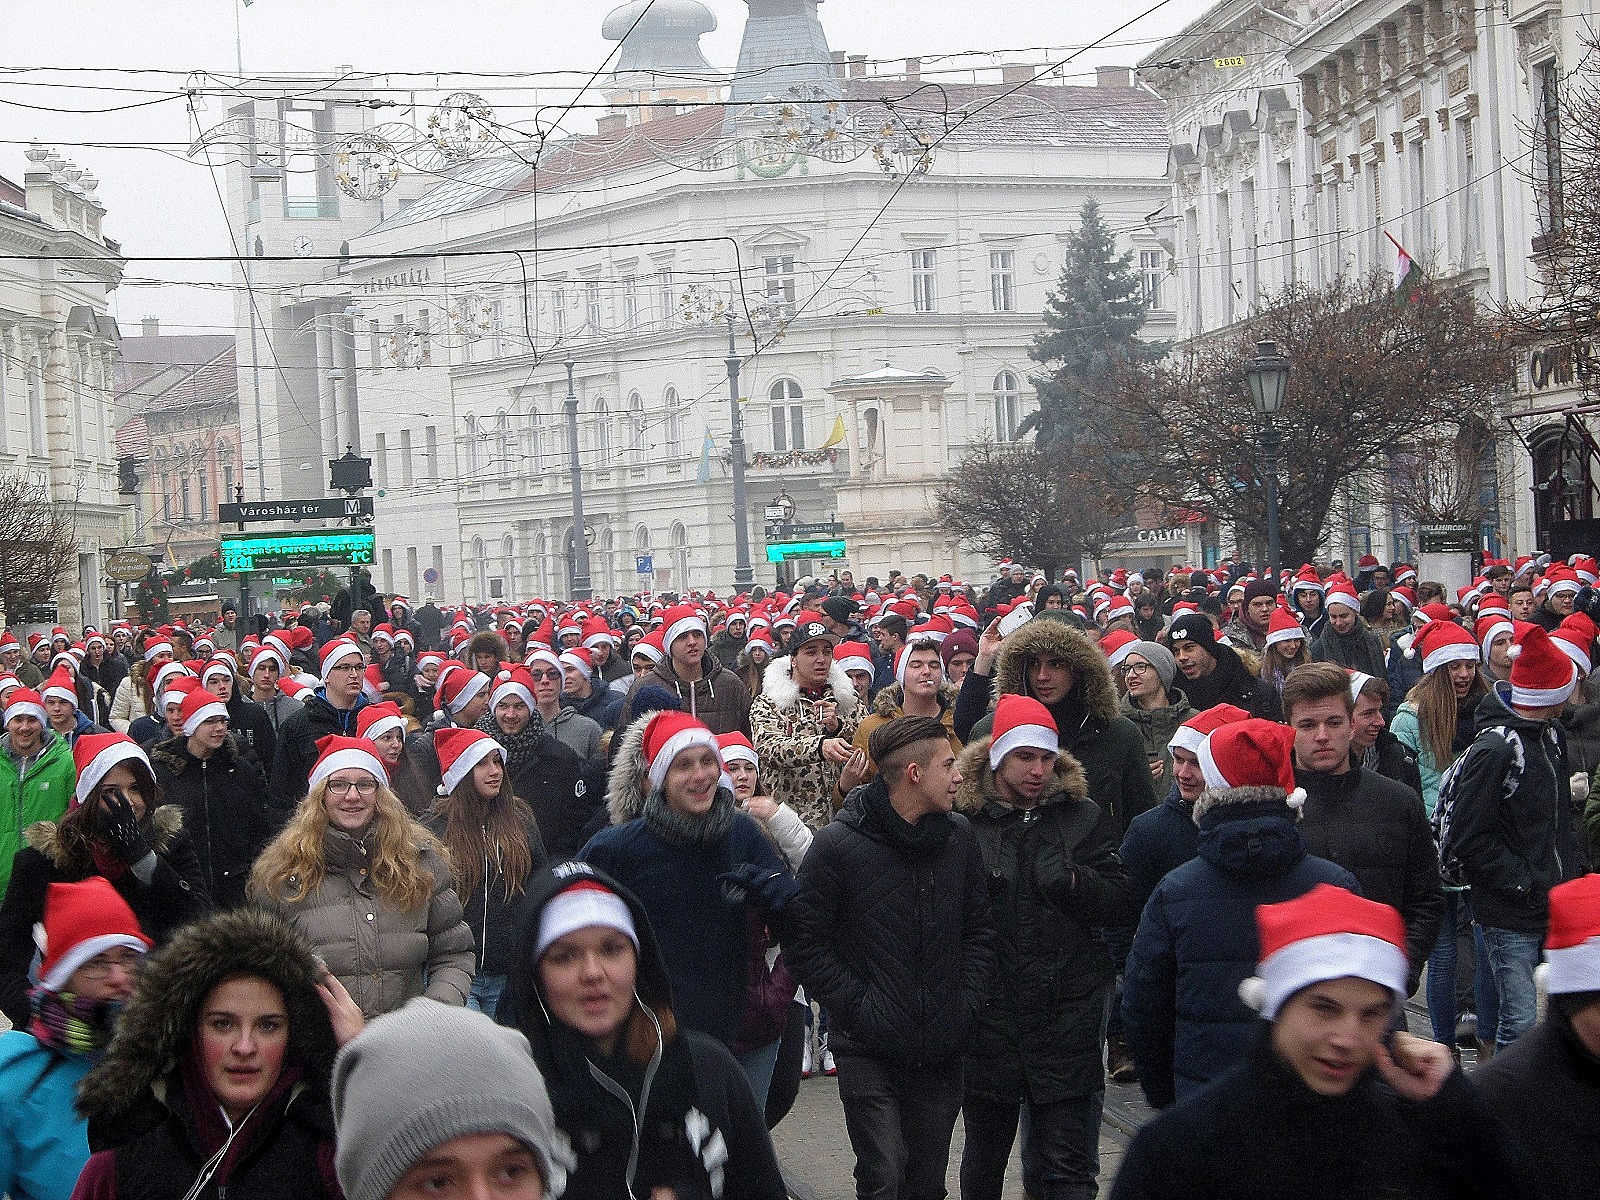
<point>72,1025</point>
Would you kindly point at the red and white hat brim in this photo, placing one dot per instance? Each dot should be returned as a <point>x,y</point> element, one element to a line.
<point>1297,634</point>
<point>203,714</point>
<point>1328,956</point>
<point>1188,739</point>
<point>469,758</point>
<point>26,708</point>
<point>338,653</point>
<point>383,725</point>
<point>469,689</point>
<point>856,663</point>
<point>511,688</point>
<point>348,757</point>
<point>61,970</point>
<point>1449,653</point>
<point>118,752</point>
<point>676,745</point>
<point>1523,697</point>
<point>1038,737</point>
<point>1573,968</point>
<point>682,626</point>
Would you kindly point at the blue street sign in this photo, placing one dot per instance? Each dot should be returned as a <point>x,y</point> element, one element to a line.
<point>644,564</point>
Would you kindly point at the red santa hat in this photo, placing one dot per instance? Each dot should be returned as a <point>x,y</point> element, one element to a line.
<point>1328,933</point>
<point>1021,721</point>
<point>902,657</point>
<point>595,630</point>
<point>1572,940</point>
<point>1284,627</point>
<point>335,753</point>
<point>382,633</point>
<point>458,687</point>
<point>26,702</point>
<point>1542,676</point>
<point>653,647</point>
<point>293,688</point>
<point>152,648</point>
<point>372,683</point>
<point>1575,636</point>
<point>585,903</point>
<point>1191,735</point>
<point>667,735</point>
<point>1249,754</point>
<point>335,652</point>
<point>1440,642</point>
<point>1117,645</point>
<point>854,656</point>
<point>459,751</point>
<point>375,720</point>
<point>737,748</point>
<point>82,920</point>
<point>62,684</point>
<point>543,655</point>
<point>1489,627</point>
<point>580,659</point>
<point>512,682</point>
<point>1343,593</point>
<point>218,668</point>
<point>269,652</point>
<point>198,707</point>
<point>679,620</point>
<point>94,754</point>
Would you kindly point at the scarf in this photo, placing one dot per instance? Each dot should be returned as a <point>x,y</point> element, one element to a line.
<point>521,748</point>
<point>925,839</point>
<point>690,832</point>
<point>73,1026</point>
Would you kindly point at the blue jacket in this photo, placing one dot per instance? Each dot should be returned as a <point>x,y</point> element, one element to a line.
<point>43,1141</point>
<point>1197,942</point>
<point>1158,841</point>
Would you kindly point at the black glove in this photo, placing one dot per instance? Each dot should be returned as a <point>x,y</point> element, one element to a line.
<point>1053,868</point>
<point>117,824</point>
<point>768,889</point>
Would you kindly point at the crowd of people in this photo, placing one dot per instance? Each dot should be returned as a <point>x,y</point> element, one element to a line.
<point>567,898</point>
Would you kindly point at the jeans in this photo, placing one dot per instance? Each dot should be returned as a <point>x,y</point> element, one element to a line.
<point>485,994</point>
<point>900,1120</point>
<point>758,1065</point>
<point>1060,1147</point>
<point>1513,955</point>
<point>1443,1009</point>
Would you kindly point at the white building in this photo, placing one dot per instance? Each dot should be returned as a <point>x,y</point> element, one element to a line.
<point>1304,131</point>
<point>893,319</point>
<point>58,345</point>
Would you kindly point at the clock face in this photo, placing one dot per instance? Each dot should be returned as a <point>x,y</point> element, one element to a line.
<point>302,246</point>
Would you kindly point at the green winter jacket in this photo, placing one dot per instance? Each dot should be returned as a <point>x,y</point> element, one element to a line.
<point>39,790</point>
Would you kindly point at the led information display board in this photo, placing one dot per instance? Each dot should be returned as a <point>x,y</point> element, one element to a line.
<point>779,551</point>
<point>328,548</point>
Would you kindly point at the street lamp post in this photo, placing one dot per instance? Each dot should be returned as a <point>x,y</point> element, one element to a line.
<point>743,578</point>
<point>1268,375</point>
<point>581,588</point>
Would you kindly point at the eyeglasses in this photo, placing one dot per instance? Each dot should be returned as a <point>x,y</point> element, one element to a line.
<point>356,667</point>
<point>363,787</point>
<point>1138,668</point>
<point>541,676</point>
<point>101,965</point>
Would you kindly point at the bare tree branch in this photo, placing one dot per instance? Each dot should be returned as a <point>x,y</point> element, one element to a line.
<point>38,545</point>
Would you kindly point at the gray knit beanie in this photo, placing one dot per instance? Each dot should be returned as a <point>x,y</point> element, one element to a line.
<point>427,1073</point>
<point>1159,657</point>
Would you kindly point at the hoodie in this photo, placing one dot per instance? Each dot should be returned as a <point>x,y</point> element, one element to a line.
<point>718,699</point>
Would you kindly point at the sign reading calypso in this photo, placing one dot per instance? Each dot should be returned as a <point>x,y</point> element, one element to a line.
<point>1162,537</point>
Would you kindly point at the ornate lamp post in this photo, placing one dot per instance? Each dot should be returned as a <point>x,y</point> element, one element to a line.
<point>1268,374</point>
<point>581,588</point>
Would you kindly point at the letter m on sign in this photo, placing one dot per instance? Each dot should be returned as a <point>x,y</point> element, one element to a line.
<point>352,508</point>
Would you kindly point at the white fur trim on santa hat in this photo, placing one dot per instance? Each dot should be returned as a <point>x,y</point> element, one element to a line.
<point>683,625</point>
<point>348,757</point>
<point>80,954</point>
<point>23,708</point>
<point>1572,968</point>
<point>471,688</point>
<point>733,754</point>
<point>1494,631</point>
<point>576,662</point>
<point>266,654</point>
<point>1185,738</point>
<point>1040,737</point>
<point>1208,766</point>
<point>1296,634</point>
<point>203,714</point>
<point>696,735</point>
<point>549,657</point>
<point>337,651</point>
<point>856,662</point>
<point>1522,697</point>
<point>384,725</point>
<point>118,752</point>
<point>60,693</point>
<point>1339,596</point>
<point>580,907</point>
<point>1453,652</point>
<point>1318,959</point>
<point>1566,585</point>
<point>509,688</point>
<point>470,757</point>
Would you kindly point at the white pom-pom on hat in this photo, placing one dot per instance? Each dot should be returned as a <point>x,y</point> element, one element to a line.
<point>1253,991</point>
<point>1296,799</point>
<point>1514,650</point>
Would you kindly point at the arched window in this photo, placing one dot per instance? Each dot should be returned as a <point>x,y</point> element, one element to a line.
<point>225,463</point>
<point>602,437</point>
<point>541,578</point>
<point>36,433</point>
<point>205,492</point>
<point>1007,406</point>
<point>674,425</point>
<point>680,557</point>
<point>788,416</point>
<point>480,567</point>
<point>474,451</point>
<point>535,443</point>
<point>608,560</point>
<point>641,540</point>
<point>502,444</point>
<point>186,509</point>
<point>635,429</point>
<point>508,565</point>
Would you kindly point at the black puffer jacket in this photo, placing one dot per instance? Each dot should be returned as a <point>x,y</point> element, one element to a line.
<point>297,745</point>
<point>1092,730</point>
<point>252,727</point>
<point>493,914</point>
<point>897,948</point>
<point>1393,759</point>
<point>1376,829</point>
<point>1513,826</point>
<point>226,811</point>
<point>1054,877</point>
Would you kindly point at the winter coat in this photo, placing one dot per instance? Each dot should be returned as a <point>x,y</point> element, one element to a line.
<point>127,705</point>
<point>252,728</point>
<point>1375,828</point>
<point>886,707</point>
<point>1197,942</point>
<point>144,1121</point>
<point>226,811</point>
<point>786,731</point>
<point>1230,682</point>
<point>108,677</point>
<point>601,706</point>
<point>296,752</point>
<point>1091,730</point>
<point>1157,842</point>
<point>564,791</point>
<point>1054,878</point>
<point>1358,650</point>
<point>718,699</point>
<point>703,937</point>
<point>1404,726</point>
<point>1581,720</point>
<point>492,913</point>
<point>40,790</point>
<point>279,709</point>
<point>726,647</point>
<point>1403,673</point>
<point>1157,725</point>
<point>577,732</point>
<point>897,947</point>
<point>1261,1134</point>
<point>1545,1088</point>
<point>1513,829</point>
<point>598,1123</point>
<point>175,895</point>
<point>43,1141</point>
<point>381,954</point>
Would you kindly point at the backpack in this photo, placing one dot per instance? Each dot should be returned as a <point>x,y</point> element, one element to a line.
<point>1444,810</point>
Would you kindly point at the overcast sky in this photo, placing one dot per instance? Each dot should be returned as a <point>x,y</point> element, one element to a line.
<point>161,203</point>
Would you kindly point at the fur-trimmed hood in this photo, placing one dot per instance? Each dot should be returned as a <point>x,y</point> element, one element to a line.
<point>978,788</point>
<point>887,702</point>
<point>780,688</point>
<point>1259,800</point>
<point>159,1020</point>
<point>1043,636</point>
<point>165,824</point>
<point>624,797</point>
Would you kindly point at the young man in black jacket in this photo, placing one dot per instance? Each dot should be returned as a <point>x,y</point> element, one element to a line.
<point>893,935</point>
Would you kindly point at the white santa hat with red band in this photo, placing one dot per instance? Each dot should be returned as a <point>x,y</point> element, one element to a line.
<point>1191,735</point>
<point>459,751</point>
<point>81,921</point>
<point>457,690</point>
<point>854,656</point>
<point>586,903</point>
<point>26,702</point>
<point>1572,942</point>
<point>336,753</point>
<point>1441,642</point>
<point>1021,721</point>
<point>515,682</point>
<point>94,754</point>
<point>1251,753</point>
<point>580,660</point>
<point>1328,933</point>
<point>198,707</point>
<point>335,652</point>
<point>735,747</point>
<point>903,657</point>
<point>1542,675</point>
<point>1117,645</point>
<point>667,735</point>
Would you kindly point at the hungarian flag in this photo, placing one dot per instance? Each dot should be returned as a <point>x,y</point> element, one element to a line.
<point>1407,274</point>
